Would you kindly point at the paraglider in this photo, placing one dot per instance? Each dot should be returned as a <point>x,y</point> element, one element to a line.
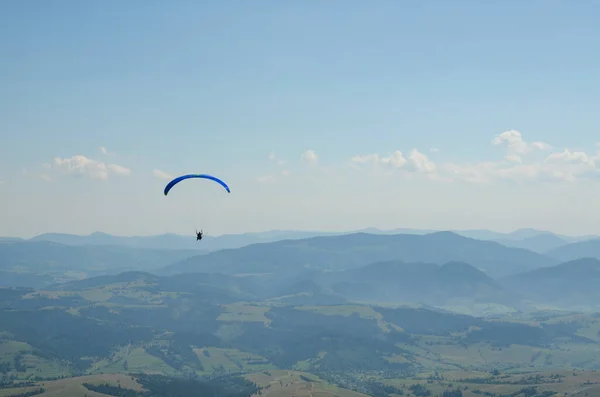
<point>190,176</point>
<point>203,176</point>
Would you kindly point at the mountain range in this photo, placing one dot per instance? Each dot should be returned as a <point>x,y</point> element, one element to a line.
<point>59,260</point>
<point>442,269</point>
<point>535,240</point>
<point>575,284</point>
<point>427,283</point>
<point>292,257</point>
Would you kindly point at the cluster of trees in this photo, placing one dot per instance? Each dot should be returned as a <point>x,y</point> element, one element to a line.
<point>158,385</point>
<point>110,390</point>
<point>176,354</point>
<point>28,393</point>
<point>58,334</point>
<point>525,392</point>
<point>227,386</point>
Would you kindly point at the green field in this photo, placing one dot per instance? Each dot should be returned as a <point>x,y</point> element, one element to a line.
<point>137,359</point>
<point>292,383</point>
<point>560,382</point>
<point>73,387</point>
<point>244,312</point>
<point>362,311</point>
<point>214,359</point>
<point>275,383</point>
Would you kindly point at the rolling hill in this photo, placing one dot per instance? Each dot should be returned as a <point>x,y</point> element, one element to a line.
<point>540,243</point>
<point>580,249</point>
<point>63,261</point>
<point>293,257</point>
<point>431,284</point>
<point>421,283</point>
<point>574,284</point>
<point>202,286</point>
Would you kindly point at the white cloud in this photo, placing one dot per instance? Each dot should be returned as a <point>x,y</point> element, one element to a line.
<point>567,156</point>
<point>159,174</point>
<point>105,151</point>
<point>541,146</point>
<point>563,166</point>
<point>79,165</point>
<point>513,158</point>
<point>434,150</point>
<point>516,146</point>
<point>416,162</point>
<point>421,163</point>
<point>394,160</point>
<point>119,169</point>
<point>566,166</point>
<point>310,157</point>
<point>366,158</point>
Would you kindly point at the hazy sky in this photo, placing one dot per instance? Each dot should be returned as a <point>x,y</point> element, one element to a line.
<point>335,114</point>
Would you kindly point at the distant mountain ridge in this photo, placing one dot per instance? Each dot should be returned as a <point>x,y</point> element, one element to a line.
<point>432,284</point>
<point>567,286</point>
<point>27,260</point>
<point>581,249</point>
<point>359,249</point>
<point>541,243</point>
<point>423,283</point>
<point>438,269</point>
<point>536,240</point>
<point>573,283</point>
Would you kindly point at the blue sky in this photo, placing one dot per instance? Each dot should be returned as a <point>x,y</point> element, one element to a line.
<point>243,89</point>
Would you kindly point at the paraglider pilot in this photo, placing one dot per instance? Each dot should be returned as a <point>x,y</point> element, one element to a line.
<point>198,235</point>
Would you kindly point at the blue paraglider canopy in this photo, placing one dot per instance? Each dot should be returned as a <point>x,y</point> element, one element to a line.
<point>189,176</point>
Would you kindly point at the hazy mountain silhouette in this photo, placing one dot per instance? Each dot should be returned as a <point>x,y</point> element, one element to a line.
<point>581,249</point>
<point>525,233</point>
<point>355,250</point>
<point>163,241</point>
<point>569,284</point>
<point>541,243</point>
<point>22,279</point>
<point>432,284</point>
<point>10,239</point>
<point>216,287</point>
<point>45,257</point>
<point>212,243</point>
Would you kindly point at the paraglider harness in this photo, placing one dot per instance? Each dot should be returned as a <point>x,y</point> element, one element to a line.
<point>198,235</point>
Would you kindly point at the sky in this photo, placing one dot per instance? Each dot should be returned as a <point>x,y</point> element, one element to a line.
<point>320,115</point>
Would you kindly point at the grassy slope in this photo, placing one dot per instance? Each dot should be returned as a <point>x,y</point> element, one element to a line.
<point>73,387</point>
<point>276,383</point>
<point>573,383</point>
